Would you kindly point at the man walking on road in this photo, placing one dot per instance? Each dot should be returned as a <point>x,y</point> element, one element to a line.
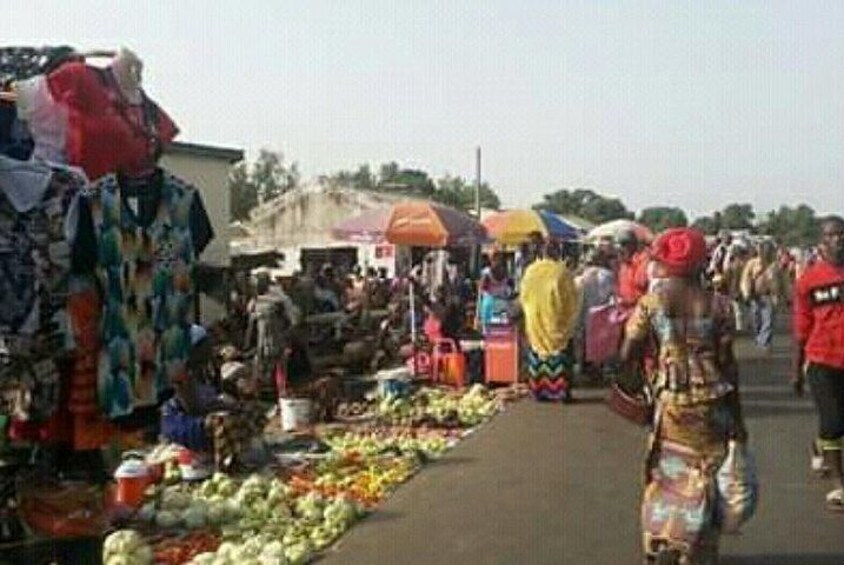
<point>819,332</point>
<point>762,288</point>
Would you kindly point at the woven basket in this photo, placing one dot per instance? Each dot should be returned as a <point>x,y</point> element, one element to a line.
<point>635,408</point>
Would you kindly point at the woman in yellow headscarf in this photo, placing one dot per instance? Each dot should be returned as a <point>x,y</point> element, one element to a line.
<point>549,301</point>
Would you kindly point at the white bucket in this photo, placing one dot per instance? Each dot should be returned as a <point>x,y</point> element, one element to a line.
<point>295,413</point>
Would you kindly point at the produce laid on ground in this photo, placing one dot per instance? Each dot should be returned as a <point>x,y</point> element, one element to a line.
<point>286,515</point>
<point>438,407</point>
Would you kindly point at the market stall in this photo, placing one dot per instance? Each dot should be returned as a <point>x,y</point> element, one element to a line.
<point>312,487</point>
<point>127,440</point>
<point>99,249</point>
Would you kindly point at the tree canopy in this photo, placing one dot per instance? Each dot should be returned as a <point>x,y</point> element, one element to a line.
<point>586,204</point>
<point>792,226</point>
<point>251,184</point>
<point>660,218</point>
<point>453,191</point>
<point>459,193</point>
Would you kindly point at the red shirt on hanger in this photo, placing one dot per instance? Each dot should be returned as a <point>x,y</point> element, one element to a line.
<point>105,133</point>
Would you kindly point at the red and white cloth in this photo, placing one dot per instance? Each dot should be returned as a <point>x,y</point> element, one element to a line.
<point>78,115</point>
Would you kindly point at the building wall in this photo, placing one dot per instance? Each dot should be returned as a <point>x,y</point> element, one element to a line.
<point>368,255</point>
<point>305,216</point>
<point>210,176</point>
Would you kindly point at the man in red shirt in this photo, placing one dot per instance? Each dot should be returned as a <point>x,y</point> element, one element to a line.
<point>819,332</point>
<point>632,270</point>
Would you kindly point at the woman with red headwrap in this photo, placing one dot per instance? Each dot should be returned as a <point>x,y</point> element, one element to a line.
<point>695,391</point>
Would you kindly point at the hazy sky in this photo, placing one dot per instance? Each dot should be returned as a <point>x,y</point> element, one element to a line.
<point>696,104</point>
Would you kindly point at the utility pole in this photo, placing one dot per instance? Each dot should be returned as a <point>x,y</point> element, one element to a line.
<point>476,250</point>
<point>478,183</point>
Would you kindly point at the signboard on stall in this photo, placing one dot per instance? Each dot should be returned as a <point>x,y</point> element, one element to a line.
<point>385,251</point>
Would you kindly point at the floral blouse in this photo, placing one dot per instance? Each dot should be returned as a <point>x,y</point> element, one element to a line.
<point>688,369</point>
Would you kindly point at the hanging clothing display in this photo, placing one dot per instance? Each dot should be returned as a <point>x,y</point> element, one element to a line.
<point>36,241</point>
<point>18,63</point>
<point>79,115</point>
<point>148,234</point>
<point>15,139</point>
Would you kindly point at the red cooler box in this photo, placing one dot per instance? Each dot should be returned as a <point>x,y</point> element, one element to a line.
<point>501,354</point>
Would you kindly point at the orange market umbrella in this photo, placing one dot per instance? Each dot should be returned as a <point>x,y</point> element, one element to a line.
<point>427,224</point>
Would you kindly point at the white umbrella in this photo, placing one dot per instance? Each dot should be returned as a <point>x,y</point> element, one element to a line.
<point>611,230</point>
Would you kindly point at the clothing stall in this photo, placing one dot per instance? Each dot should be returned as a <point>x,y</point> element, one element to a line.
<point>98,251</point>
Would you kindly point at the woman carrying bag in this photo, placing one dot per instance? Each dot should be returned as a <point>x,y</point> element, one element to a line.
<point>698,476</point>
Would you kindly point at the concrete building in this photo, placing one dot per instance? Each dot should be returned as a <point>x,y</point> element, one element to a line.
<point>207,168</point>
<point>299,224</point>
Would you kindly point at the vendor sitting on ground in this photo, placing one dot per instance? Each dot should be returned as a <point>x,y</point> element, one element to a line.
<point>183,416</point>
<point>200,419</point>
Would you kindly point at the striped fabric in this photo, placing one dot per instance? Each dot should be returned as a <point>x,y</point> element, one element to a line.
<point>549,375</point>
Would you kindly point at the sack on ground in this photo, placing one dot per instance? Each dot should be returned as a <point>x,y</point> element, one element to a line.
<point>738,488</point>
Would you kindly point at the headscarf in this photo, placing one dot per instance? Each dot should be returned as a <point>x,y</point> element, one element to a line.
<point>680,250</point>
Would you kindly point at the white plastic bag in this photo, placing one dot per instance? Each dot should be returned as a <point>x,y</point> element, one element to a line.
<point>738,488</point>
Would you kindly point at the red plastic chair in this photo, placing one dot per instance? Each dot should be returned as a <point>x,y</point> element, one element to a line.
<point>448,364</point>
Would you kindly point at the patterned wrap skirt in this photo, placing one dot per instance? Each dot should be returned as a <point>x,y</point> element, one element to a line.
<point>549,376</point>
<point>684,455</point>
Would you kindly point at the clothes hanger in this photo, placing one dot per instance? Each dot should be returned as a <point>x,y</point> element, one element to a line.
<point>99,54</point>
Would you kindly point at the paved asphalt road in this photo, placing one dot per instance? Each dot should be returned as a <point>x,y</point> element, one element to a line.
<point>560,484</point>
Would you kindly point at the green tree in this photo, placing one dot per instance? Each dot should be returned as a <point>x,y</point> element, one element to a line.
<point>792,226</point>
<point>458,193</point>
<point>362,179</point>
<point>738,217</point>
<point>412,182</point>
<point>388,172</point>
<point>660,218</point>
<point>242,192</point>
<point>710,225</point>
<point>267,178</point>
<point>271,176</point>
<point>586,204</point>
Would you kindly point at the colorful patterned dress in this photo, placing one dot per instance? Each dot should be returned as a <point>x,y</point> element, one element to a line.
<point>35,264</point>
<point>145,267</point>
<point>550,301</point>
<point>694,422</point>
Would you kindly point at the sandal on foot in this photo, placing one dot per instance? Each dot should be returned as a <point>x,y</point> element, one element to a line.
<point>835,500</point>
<point>818,466</point>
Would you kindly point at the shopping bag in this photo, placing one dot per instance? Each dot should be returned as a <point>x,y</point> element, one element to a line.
<point>738,488</point>
<point>604,329</point>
